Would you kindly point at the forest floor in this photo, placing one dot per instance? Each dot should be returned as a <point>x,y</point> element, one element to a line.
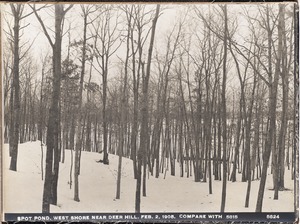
<point>23,189</point>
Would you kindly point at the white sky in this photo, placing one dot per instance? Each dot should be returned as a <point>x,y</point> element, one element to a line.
<point>170,16</point>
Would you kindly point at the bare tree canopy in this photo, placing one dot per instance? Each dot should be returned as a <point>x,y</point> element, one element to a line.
<point>150,107</point>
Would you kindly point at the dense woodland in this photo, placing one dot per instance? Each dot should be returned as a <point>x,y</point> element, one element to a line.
<point>212,91</point>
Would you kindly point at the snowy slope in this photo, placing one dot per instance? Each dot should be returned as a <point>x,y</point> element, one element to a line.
<point>24,188</point>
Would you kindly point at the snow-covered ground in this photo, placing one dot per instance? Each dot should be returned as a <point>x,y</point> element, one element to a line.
<point>23,189</point>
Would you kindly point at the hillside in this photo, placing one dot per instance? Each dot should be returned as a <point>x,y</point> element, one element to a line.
<point>24,188</point>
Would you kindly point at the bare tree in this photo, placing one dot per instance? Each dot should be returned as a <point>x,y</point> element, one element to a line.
<point>144,139</point>
<point>124,96</point>
<point>18,14</point>
<point>53,150</point>
<point>224,119</point>
<point>273,88</point>
<point>86,11</point>
<point>106,44</point>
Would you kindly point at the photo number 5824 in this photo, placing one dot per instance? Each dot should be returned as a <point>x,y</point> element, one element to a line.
<point>273,216</point>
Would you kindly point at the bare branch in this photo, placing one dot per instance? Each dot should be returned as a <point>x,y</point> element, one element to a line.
<point>43,25</point>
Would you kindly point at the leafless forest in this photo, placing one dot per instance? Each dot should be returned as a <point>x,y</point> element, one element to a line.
<point>204,92</point>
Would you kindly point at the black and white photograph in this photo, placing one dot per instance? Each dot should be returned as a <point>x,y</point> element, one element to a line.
<point>149,108</point>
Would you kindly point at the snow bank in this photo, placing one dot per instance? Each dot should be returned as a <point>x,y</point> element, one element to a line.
<point>24,188</point>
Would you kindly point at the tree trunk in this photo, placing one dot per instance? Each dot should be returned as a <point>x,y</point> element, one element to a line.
<point>272,117</point>
<point>144,112</point>
<point>78,118</point>
<point>17,12</point>
<point>283,128</point>
<point>123,113</point>
<point>53,151</point>
<point>248,143</point>
<point>224,121</point>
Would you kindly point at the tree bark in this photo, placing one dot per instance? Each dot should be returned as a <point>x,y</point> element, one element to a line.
<point>79,115</point>
<point>144,141</point>
<point>224,121</point>
<point>52,139</point>
<point>272,117</point>
<point>17,11</point>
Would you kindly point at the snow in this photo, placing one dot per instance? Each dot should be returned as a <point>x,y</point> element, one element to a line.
<point>23,189</point>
